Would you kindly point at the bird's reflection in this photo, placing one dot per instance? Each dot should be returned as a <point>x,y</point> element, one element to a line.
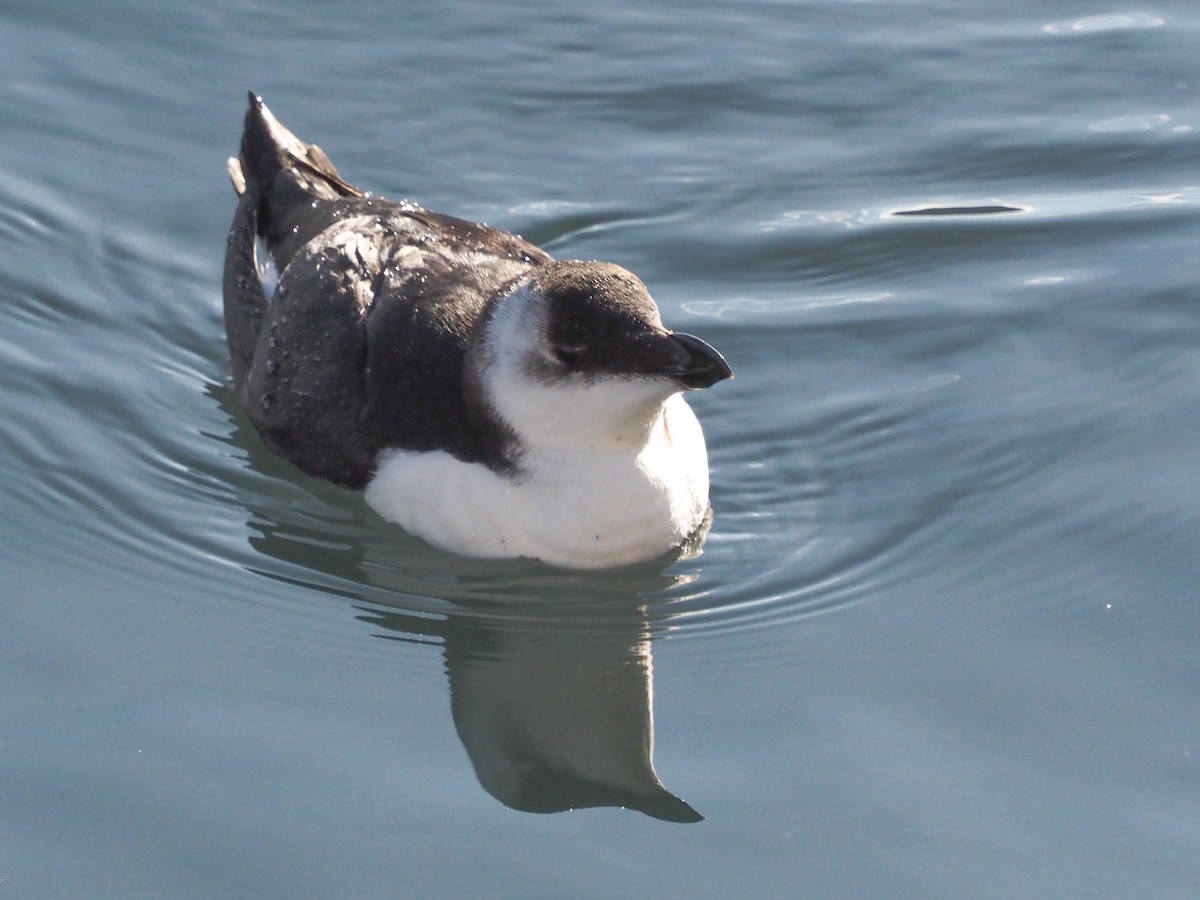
<point>551,680</point>
<point>554,705</point>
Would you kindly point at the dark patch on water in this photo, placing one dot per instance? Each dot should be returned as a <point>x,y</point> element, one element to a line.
<point>991,210</point>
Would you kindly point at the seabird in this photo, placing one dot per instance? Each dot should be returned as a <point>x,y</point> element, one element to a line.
<point>489,398</point>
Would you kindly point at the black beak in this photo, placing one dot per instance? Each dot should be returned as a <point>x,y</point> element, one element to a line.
<point>697,364</point>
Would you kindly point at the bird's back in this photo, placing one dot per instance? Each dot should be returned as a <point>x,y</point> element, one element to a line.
<point>361,348</point>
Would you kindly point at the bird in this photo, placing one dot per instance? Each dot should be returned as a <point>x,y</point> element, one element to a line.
<point>486,397</point>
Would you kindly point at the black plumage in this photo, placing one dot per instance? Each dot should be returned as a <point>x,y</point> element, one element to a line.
<point>368,342</point>
<point>357,352</point>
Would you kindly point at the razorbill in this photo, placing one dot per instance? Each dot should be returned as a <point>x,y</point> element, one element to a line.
<point>489,398</point>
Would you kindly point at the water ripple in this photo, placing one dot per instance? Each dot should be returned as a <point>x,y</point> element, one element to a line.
<point>844,494</point>
<point>1104,22</point>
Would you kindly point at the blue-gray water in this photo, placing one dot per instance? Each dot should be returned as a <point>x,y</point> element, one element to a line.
<point>943,638</point>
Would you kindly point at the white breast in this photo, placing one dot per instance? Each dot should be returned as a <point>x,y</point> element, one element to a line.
<point>579,507</point>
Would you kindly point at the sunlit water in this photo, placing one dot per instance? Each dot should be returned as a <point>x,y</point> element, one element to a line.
<point>941,640</point>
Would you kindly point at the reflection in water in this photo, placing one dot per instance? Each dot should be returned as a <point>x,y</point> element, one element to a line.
<point>554,706</point>
<point>550,670</point>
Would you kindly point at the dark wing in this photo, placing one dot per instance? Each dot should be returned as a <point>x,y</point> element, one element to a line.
<point>418,331</point>
<point>361,349</point>
<point>304,389</point>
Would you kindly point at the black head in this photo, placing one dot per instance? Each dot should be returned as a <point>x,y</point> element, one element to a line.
<point>601,321</point>
<point>577,353</point>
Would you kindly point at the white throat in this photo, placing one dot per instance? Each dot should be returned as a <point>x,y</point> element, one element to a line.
<point>605,412</point>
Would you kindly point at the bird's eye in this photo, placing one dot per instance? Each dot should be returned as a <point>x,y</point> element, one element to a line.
<point>569,354</point>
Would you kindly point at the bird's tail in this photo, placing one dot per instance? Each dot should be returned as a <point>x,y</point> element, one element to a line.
<point>282,173</point>
<point>277,177</point>
<point>269,150</point>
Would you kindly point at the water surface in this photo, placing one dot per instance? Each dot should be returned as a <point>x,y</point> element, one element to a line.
<point>941,641</point>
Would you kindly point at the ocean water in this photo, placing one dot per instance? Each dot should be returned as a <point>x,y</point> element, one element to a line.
<point>942,639</point>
